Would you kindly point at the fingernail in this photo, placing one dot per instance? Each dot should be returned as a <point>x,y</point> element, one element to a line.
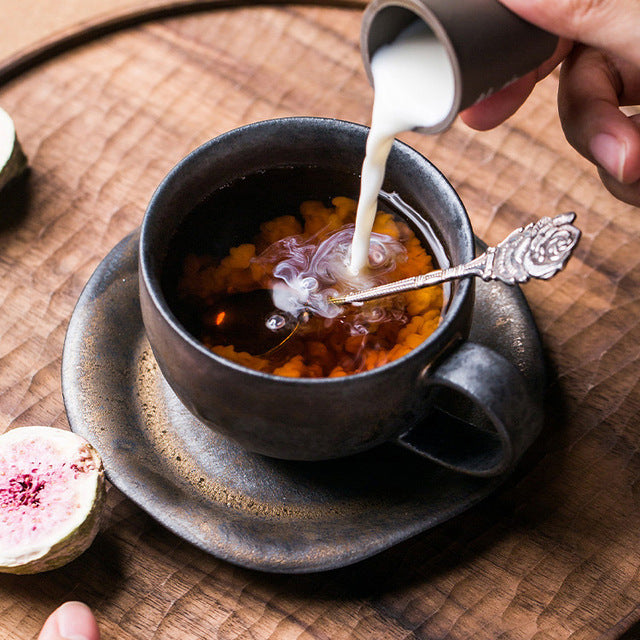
<point>72,620</point>
<point>609,153</point>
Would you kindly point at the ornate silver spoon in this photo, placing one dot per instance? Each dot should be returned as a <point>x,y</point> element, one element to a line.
<point>251,322</point>
<point>538,250</point>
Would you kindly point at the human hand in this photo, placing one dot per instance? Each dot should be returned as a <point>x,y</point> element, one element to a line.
<point>600,73</point>
<point>71,621</point>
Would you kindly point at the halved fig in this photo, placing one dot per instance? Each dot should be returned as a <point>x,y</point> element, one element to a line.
<point>52,493</point>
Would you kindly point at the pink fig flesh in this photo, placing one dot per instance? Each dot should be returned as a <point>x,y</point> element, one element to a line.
<point>51,496</point>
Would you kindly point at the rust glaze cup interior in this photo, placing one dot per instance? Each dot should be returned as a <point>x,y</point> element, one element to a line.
<point>315,419</point>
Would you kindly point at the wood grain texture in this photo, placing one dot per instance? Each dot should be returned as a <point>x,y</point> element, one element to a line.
<point>555,554</point>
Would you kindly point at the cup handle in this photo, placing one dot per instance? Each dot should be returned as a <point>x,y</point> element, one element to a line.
<point>482,416</point>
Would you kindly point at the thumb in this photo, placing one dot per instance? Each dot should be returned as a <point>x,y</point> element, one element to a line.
<point>611,25</point>
<point>71,621</point>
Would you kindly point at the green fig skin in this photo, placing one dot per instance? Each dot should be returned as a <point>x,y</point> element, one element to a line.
<point>12,158</point>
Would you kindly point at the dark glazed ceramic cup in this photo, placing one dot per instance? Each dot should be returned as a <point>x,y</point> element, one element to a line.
<point>452,401</point>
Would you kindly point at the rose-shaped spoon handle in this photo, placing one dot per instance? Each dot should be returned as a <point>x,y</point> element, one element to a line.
<point>538,250</point>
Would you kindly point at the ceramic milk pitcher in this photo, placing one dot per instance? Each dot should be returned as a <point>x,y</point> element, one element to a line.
<point>487,45</point>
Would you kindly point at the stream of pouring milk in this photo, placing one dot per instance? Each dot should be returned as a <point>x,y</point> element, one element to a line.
<point>413,87</point>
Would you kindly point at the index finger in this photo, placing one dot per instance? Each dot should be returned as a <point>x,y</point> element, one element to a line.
<point>491,111</point>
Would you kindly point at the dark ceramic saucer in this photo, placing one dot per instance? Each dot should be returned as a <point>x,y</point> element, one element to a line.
<point>256,512</point>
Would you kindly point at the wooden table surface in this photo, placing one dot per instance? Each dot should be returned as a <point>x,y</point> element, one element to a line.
<point>554,554</point>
